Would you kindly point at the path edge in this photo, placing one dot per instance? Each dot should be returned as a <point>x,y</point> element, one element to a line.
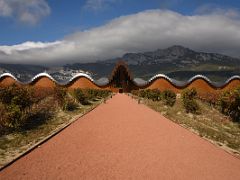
<point>212,142</point>
<point>73,120</point>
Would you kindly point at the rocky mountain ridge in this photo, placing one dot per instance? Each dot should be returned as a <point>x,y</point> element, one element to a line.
<point>177,61</point>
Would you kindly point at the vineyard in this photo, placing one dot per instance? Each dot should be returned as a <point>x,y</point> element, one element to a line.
<point>215,117</point>
<point>28,115</point>
<point>20,105</point>
<point>228,102</point>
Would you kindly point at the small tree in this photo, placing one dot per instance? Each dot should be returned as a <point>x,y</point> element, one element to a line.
<point>60,94</point>
<point>169,97</point>
<point>16,101</point>
<point>143,93</point>
<point>230,104</point>
<point>154,94</point>
<point>189,101</point>
<point>80,96</point>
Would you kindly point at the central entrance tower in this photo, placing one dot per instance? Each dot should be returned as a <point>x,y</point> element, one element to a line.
<point>121,78</point>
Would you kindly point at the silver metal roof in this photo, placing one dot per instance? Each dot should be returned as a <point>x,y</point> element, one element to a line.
<point>138,81</point>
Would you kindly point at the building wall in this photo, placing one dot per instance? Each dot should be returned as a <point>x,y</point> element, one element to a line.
<point>232,85</point>
<point>161,83</point>
<point>82,82</point>
<point>7,81</point>
<point>43,82</point>
<point>202,86</point>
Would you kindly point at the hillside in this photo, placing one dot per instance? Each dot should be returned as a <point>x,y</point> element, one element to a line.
<point>177,62</point>
<point>22,71</point>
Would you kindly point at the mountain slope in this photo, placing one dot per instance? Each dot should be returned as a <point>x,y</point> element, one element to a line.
<point>178,55</point>
<point>177,61</point>
<point>22,71</point>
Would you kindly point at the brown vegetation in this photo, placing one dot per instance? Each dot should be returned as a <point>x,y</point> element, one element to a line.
<point>213,116</point>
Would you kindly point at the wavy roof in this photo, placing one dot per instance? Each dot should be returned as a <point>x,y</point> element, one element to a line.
<point>8,75</point>
<point>138,81</point>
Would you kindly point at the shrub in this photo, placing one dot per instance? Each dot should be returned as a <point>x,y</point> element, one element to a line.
<point>80,96</point>
<point>60,94</point>
<point>15,95</point>
<point>40,113</point>
<point>210,98</point>
<point>153,94</point>
<point>104,93</point>
<point>16,102</point>
<point>3,116</point>
<point>41,93</point>
<point>92,94</point>
<point>70,105</point>
<point>189,101</point>
<point>142,93</point>
<point>84,95</point>
<point>135,92</point>
<point>169,97</point>
<point>230,104</point>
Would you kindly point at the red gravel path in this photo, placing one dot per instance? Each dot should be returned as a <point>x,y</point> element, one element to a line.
<point>124,140</point>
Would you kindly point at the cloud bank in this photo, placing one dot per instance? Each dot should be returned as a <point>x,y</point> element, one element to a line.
<point>25,11</point>
<point>98,5</point>
<point>144,31</point>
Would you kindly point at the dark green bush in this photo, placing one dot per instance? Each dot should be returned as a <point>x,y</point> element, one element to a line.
<point>189,101</point>
<point>85,95</point>
<point>230,104</point>
<point>153,94</point>
<point>92,94</point>
<point>169,97</point>
<point>104,93</point>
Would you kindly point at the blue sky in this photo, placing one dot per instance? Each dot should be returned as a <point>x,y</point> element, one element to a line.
<point>61,31</point>
<point>67,17</point>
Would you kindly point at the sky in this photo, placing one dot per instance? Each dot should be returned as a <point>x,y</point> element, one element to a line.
<point>54,32</point>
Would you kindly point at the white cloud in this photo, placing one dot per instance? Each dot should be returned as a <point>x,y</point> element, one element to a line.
<point>215,9</point>
<point>144,31</point>
<point>9,50</point>
<point>97,5</point>
<point>26,11</point>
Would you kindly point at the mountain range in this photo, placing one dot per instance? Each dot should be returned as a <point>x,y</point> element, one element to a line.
<point>177,62</point>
